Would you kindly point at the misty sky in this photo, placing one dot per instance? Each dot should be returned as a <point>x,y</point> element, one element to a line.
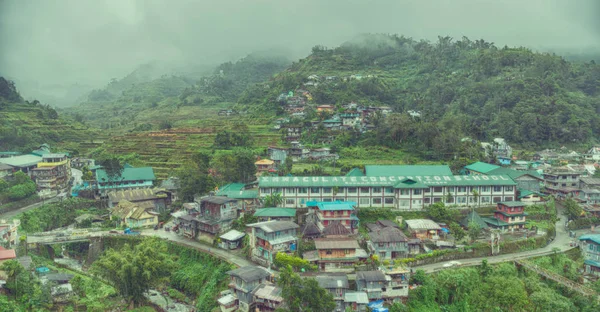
<point>91,41</point>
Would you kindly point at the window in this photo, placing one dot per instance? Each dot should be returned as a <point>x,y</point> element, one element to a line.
<point>437,189</point>
<point>485,199</point>
<point>462,189</point>
<point>328,252</point>
<point>265,190</point>
<point>404,192</point>
<point>564,184</point>
<point>364,190</point>
<point>508,188</point>
<point>404,203</point>
<point>450,200</point>
<point>352,199</point>
<point>302,190</point>
<point>417,191</point>
<point>427,190</point>
<point>290,201</point>
<point>417,202</point>
<point>276,190</point>
<point>508,198</point>
<point>485,189</point>
<point>427,200</point>
<point>497,188</point>
<point>365,202</point>
<point>290,190</point>
<point>471,199</point>
<point>352,190</point>
<point>389,190</point>
<point>497,199</point>
<point>302,201</point>
<point>315,190</point>
<point>450,189</point>
<point>389,200</point>
<point>376,201</point>
<point>473,188</point>
<point>376,190</point>
<point>327,199</point>
<point>326,190</point>
<point>437,199</point>
<point>461,200</point>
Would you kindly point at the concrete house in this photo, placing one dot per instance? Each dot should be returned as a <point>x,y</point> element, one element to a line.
<point>267,297</point>
<point>244,281</point>
<point>589,183</point>
<point>371,282</point>
<point>336,254</point>
<point>529,180</point>
<point>270,237</point>
<point>129,178</point>
<point>337,285</point>
<point>280,214</point>
<point>590,246</point>
<point>388,243</point>
<point>356,301</point>
<point>53,172</point>
<point>328,212</point>
<point>216,214</point>
<point>590,196</point>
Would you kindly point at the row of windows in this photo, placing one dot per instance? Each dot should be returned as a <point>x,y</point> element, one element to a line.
<point>387,190</point>
<point>367,201</point>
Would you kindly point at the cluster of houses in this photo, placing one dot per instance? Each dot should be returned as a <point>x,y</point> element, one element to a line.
<point>297,152</point>
<point>50,171</point>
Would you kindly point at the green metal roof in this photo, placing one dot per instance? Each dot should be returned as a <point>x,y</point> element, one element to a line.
<point>21,161</point>
<point>494,222</point>
<point>232,187</point>
<point>475,217</point>
<point>245,194</point>
<point>407,170</point>
<point>524,193</point>
<point>591,237</point>
<point>128,174</point>
<point>275,212</point>
<point>410,184</point>
<point>355,172</point>
<point>331,206</point>
<point>481,167</point>
<point>383,181</point>
<point>592,262</point>
<point>512,203</point>
<point>508,214</point>
<point>11,153</point>
<point>516,173</point>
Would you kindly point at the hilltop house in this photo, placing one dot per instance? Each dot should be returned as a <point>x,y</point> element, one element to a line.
<point>243,282</point>
<point>278,155</point>
<point>388,243</point>
<point>128,178</point>
<point>267,297</point>
<point>593,154</point>
<point>336,254</point>
<point>293,132</point>
<point>270,237</point>
<point>561,180</point>
<point>264,165</point>
<point>247,199</point>
<point>327,212</point>
<point>337,285</point>
<point>508,215</point>
<point>590,246</point>
<point>24,163</point>
<point>325,108</point>
<point>424,228</point>
<point>134,216</point>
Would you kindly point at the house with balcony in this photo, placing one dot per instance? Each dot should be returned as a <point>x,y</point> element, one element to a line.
<point>293,132</point>
<point>590,196</point>
<point>54,171</point>
<point>129,178</point>
<point>508,215</point>
<point>8,232</point>
<point>388,243</point>
<point>397,287</point>
<point>589,183</point>
<point>243,282</point>
<point>134,216</point>
<point>424,229</point>
<point>264,165</point>
<point>275,213</point>
<point>561,180</point>
<point>373,283</point>
<point>270,237</point>
<point>337,285</point>
<point>267,298</point>
<point>247,198</point>
<point>590,246</point>
<point>336,254</point>
<point>216,214</point>
<point>342,211</point>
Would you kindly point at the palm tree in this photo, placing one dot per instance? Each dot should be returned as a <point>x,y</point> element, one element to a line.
<point>273,200</point>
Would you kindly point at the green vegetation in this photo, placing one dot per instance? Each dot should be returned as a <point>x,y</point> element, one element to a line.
<point>20,187</point>
<point>25,125</point>
<point>303,294</point>
<point>486,288</point>
<point>55,215</point>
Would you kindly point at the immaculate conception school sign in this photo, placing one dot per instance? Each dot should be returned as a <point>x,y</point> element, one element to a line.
<point>384,180</point>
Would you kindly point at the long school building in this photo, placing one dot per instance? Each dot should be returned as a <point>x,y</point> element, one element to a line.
<point>399,192</point>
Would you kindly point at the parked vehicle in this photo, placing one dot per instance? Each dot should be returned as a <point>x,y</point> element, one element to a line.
<point>128,231</point>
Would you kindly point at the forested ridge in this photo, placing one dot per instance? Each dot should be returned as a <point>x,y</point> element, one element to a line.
<point>461,87</point>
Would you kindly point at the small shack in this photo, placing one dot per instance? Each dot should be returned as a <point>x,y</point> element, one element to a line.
<point>424,228</point>
<point>231,239</point>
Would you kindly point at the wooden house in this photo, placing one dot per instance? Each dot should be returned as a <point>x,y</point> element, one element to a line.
<point>244,281</point>
<point>337,285</point>
<point>372,282</point>
<point>388,243</point>
<point>336,254</point>
<point>216,214</point>
<point>424,228</point>
<point>270,237</point>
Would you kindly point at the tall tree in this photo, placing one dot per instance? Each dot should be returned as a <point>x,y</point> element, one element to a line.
<point>133,270</point>
<point>303,294</point>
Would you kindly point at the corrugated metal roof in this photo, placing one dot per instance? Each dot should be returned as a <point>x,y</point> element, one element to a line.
<point>128,174</point>
<point>274,226</point>
<point>250,273</point>
<point>512,203</point>
<point>407,170</point>
<point>481,167</point>
<point>275,212</point>
<point>336,228</point>
<point>423,224</point>
<point>332,206</point>
<point>591,237</point>
<point>219,200</point>
<point>387,235</point>
<point>360,297</point>
<point>336,243</point>
<point>355,172</point>
<point>333,282</point>
<point>232,235</point>
<point>370,276</point>
<point>515,173</point>
<point>383,181</point>
<point>21,161</point>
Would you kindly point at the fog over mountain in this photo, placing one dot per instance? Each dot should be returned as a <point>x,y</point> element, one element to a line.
<point>60,47</point>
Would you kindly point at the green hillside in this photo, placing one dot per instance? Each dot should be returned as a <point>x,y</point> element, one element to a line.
<point>25,125</point>
<point>462,88</point>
